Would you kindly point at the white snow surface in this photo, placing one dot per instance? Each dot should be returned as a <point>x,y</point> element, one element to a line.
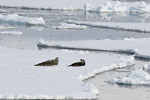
<point>11,32</point>
<point>20,79</point>
<point>140,47</point>
<point>16,19</point>
<point>69,26</point>
<point>136,77</point>
<point>138,27</point>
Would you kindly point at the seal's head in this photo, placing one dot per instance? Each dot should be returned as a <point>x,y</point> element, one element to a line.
<point>82,60</point>
<point>56,59</point>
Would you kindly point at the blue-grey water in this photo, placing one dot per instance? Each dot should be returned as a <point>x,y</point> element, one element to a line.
<point>31,34</point>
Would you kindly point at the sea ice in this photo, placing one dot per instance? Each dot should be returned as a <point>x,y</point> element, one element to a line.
<point>140,7</point>
<point>139,47</point>
<point>146,67</point>
<point>136,7</point>
<point>120,7</point>
<point>20,79</point>
<point>3,11</point>
<point>16,19</point>
<point>11,32</point>
<point>99,5</point>
<point>136,77</point>
<point>6,27</point>
<point>103,8</point>
<point>137,27</point>
<point>69,26</point>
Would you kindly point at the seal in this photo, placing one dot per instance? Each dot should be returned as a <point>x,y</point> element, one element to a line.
<point>49,62</point>
<point>78,64</point>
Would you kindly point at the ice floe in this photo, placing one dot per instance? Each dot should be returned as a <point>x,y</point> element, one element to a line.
<point>3,11</point>
<point>140,7</point>
<point>136,7</point>
<point>136,77</point>
<point>139,47</point>
<point>16,19</point>
<point>122,64</point>
<point>20,79</point>
<point>146,67</point>
<point>69,26</point>
<point>137,27</point>
<point>120,7</point>
<point>11,32</point>
<point>36,27</point>
<point>103,8</point>
<point>6,27</point>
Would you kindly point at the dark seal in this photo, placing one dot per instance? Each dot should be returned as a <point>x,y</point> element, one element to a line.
<point>49,62</point>
<point>78,64</point>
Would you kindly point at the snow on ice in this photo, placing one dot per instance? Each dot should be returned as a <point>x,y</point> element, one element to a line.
<point>146,67</point>
<point>69,26</point>
<point>136,77</point>
<point>16,19</point>
<point>138,27</point>
<point>6,27</point>
<point>136,7</point>
<point>11,32</point>
<point>139,47</point>
<point>21,79</point>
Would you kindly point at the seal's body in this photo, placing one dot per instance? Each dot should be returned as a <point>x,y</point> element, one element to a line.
<point>49,62</point>
<point>78,64</point>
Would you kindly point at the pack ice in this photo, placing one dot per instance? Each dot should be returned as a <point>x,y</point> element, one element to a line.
<point>20,79</point>
<point>16,19</point>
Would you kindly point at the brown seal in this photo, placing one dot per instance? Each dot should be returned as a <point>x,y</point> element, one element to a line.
<point>49,62</point>
<point>78,64</point>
